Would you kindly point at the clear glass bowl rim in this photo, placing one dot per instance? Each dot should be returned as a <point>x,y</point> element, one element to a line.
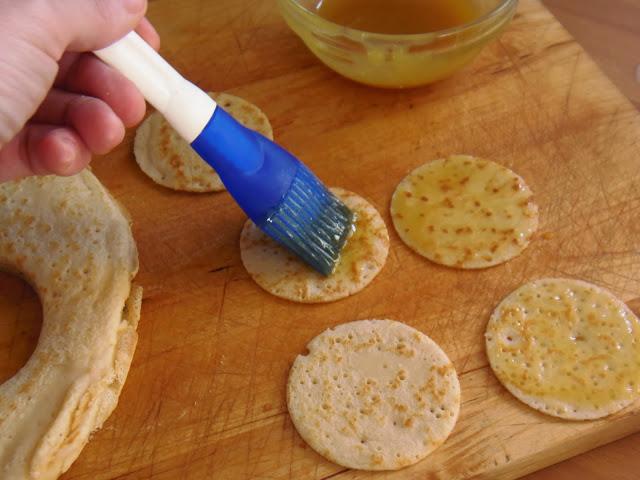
<point>503,7</point>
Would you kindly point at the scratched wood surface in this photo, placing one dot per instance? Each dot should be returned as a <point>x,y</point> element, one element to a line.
<point>205,397</point>
<point>605,29</point>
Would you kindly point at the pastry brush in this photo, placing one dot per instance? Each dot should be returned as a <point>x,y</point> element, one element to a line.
<point>277,191</point>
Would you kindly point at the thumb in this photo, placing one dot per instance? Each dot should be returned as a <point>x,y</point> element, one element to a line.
<point>34,34</point>
<point>94,24</point>
<point>84,25</point>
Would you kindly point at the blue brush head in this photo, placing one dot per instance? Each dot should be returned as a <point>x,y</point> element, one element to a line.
<point>280,194</point>
<point>311,222</point>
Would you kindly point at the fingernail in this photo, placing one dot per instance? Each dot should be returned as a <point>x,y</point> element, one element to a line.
<point>68,153</point>
<point>134,6</point>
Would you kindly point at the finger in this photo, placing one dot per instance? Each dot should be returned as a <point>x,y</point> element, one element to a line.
<point>43,150</point>
<point>96,123</point>
<point>90,76</point>
<point>65,65</point>
<point>100,128</point>
<point>31,50</point>
<point>26,74</point>
<point>149,33</point>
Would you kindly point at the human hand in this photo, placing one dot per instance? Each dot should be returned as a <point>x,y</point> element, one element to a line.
<point>58,106</point>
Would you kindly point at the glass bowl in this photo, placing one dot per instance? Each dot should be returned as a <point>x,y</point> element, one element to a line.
<point>396,61</point>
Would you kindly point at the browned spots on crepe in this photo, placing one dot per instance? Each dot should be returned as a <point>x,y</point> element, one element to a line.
<point>478,213</point>
<point>170,161</point>
<point>362,258</point>
<point>72,242</point>
<point>567,348</point>
<point>375,410</point>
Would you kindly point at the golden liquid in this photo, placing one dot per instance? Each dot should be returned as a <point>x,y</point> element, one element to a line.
<point>464,212</point>
<point>398,16</point>
<point>566,341</point>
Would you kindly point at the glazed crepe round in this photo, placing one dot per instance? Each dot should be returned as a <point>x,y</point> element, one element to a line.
<point>567,348</point>
<point>170,161</point>
<point>282,274</point>
<point>373,395</point>
<point>464,212</point>
<point>70,240</point>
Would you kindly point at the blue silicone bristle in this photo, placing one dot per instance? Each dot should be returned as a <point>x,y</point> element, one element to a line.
<point>311,222</point>
<point>278,192</point>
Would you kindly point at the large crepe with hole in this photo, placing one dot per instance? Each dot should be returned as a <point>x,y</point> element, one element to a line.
<point>72,242</point>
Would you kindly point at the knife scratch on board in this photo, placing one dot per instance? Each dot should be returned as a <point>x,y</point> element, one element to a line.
<point>572,79</point>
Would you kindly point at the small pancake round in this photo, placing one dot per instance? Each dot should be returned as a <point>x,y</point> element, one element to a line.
<point>567,348</point>
<point>373,395</point>
<point>170,161</point>
<point>71,241</point>
<point>464,212</point>
<point>282,274</point>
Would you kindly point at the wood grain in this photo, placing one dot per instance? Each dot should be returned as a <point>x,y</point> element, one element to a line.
<point>205,395</point>
<point>606,30</point>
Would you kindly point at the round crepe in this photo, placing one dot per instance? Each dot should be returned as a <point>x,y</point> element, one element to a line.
<point>282,274</point>
<point>567,348</point>
<point>170,161</point>
<point>71,241</point>
<point>373,395</point>
<point>464,212</point>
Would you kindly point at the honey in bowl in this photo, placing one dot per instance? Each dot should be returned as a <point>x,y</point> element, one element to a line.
<point>397,43</point>
<point>400,17</point>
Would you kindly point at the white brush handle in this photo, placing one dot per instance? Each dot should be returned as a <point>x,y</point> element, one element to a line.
<point>187,108</point>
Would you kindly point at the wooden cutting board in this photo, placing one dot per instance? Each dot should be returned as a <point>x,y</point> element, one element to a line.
<point>205,397</point>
